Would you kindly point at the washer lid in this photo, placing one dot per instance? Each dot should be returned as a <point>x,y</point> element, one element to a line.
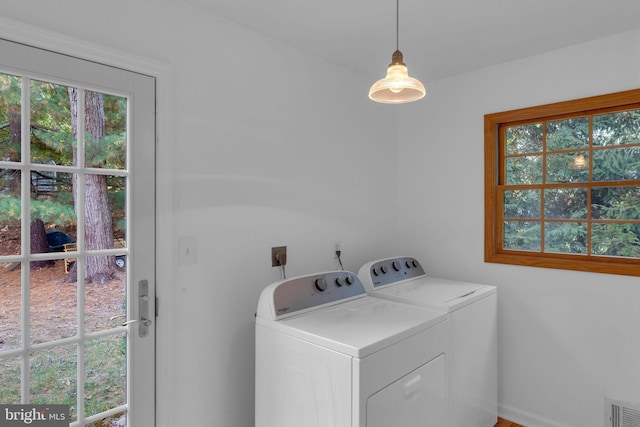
<point>358,327</point>
<point>432,291</point>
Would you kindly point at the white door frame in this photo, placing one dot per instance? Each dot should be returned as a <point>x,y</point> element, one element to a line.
<point>162,72</point>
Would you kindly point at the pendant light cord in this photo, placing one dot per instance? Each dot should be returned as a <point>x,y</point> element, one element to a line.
<point>397,24</point>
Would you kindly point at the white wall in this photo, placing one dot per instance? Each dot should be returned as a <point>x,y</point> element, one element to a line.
<point>566,338</point>
<point>270,147</point>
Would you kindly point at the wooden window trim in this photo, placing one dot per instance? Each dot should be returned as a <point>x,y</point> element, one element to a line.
<point>493,204</point>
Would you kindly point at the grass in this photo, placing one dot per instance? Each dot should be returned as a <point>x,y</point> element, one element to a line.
<point>53,374</point>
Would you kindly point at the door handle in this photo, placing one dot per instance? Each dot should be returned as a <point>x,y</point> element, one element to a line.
<point>143,309</point>
<point>145,322</point>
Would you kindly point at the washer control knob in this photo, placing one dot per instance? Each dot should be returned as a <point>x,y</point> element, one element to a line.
<point>375,272</point>
<point>383,269</point>
<point>408,264</point>
<point>415,263</point>
<point>339,281</point>
<point>396,265</point>
<point>350,279</point>
<point>321,284</point>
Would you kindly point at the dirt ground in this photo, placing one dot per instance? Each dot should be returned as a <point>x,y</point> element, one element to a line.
<point>53,313</point>
<point>53,301</point>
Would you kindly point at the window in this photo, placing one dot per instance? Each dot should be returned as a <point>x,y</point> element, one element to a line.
<point>562,185</point>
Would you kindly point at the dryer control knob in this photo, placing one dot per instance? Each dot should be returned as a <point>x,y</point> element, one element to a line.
<point>408,264</point>
<point>321,284</point>
<point>396,265</point>
<point>339,281</point>
<point>350,279</point>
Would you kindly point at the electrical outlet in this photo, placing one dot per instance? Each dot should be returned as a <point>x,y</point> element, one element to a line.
<point>278,256</point>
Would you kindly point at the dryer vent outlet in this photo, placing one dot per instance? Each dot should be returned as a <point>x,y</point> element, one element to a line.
<point>278,256</point>
<point>621,414</point>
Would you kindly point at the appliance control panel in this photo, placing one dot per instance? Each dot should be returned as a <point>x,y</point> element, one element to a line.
<point>307,292</point>
<point>391,270</point>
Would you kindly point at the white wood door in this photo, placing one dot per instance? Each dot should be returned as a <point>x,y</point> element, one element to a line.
<point>70,318</point>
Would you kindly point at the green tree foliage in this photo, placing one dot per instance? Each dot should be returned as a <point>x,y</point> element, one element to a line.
<point>53,142</point>
<point>613,157</point>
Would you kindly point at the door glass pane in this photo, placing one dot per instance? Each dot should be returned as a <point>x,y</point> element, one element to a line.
<point>53,377</point>
<point>105,373</point>
<point>10,304</point>
<point>53,304</point>
<point>117,192</point>
<point>104,225</point>
<point>10,212</point>
<point>106,130</point>
<point>10,106</point>
<point>105,304</point>
<point>52,137</point>
<point>52,203</point>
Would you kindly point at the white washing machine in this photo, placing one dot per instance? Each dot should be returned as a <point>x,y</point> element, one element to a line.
<point>473,335</point>
<point>329,355</point>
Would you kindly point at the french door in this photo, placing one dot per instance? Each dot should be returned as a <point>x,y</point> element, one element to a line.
<point>77,237</point>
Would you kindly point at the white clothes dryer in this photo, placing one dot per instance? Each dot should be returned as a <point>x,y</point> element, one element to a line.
<point>473,335</point>
<point>329,355</point>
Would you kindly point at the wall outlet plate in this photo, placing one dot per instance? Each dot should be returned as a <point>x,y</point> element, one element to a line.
<point>278,256</point>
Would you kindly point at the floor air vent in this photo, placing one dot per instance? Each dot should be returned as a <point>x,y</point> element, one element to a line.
<point>621,414</point>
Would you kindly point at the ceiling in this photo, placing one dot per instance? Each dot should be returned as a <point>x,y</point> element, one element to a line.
<point>438,38</point>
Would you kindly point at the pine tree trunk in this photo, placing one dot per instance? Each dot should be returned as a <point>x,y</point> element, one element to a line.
<point>98,222</point>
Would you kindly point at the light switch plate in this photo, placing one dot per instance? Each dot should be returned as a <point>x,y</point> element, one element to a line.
<point>187,251</point>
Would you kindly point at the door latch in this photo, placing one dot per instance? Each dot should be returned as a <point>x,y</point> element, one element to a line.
<point>143,310</point>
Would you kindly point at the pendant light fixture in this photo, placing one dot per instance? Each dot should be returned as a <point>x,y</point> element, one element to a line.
<point>397,87</point>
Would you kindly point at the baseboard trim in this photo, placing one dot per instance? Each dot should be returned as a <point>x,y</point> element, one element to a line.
<point>525,418</point>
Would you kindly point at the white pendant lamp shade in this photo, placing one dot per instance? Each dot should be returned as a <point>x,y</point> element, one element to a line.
<point>397,87</point>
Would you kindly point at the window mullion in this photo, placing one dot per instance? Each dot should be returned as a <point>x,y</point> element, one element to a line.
<point>544,183</point>
<point>80,261</point>
<point>589,189</point>
<point>25,214</point>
